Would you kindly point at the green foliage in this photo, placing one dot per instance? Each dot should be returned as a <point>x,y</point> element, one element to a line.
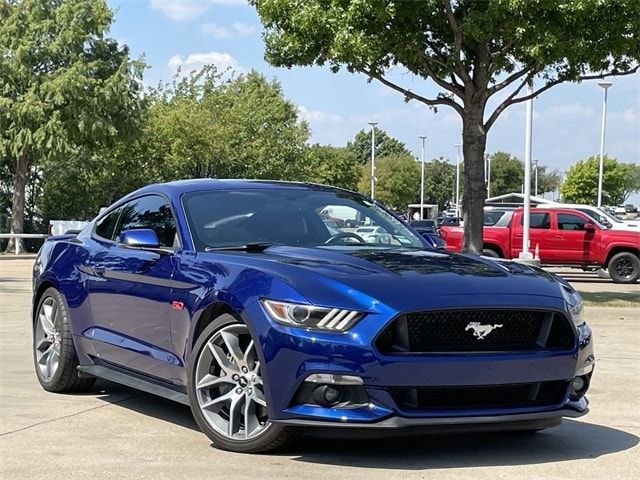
<point>398,180</point>
<point>507,174</point>
<point>386,145</point>
<point>581,182</point>
<point>439,182</point>
<point>548,181</point>
<point>203,126</point>
<point>336,166</point>
<point>63,82</point>
<point>632,179</point>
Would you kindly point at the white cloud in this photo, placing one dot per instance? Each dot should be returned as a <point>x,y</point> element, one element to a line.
<point>195,61</point>
<point>232,3</point>
<point>179,10</point>
<point>319,117</point>
<point>237,29</point>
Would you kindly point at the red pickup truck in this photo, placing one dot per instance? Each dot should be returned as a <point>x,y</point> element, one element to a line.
<point>562,237</point>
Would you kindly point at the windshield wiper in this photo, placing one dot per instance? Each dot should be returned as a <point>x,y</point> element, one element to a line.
<point>248,247</point>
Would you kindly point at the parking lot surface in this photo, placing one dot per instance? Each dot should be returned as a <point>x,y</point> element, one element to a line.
<point>116,432</point>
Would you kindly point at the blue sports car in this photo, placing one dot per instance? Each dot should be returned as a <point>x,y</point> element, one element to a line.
<point>247,301</point>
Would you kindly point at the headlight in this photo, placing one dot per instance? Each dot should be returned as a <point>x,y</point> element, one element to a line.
<point>309,316</point>
<point>575,304</point>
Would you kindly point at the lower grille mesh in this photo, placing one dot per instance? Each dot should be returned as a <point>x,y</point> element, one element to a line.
<point>481,397</point>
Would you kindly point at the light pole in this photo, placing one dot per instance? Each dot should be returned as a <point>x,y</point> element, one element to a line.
<point>525,254</point>
<point>458,155</point>
<point>535,182</point>
<point>373,159</point>
<point>423,138</point>
<point>605,86</point>
<point>488,176</point>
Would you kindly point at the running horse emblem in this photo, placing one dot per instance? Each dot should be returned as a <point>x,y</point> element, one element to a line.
<point>481,331</point>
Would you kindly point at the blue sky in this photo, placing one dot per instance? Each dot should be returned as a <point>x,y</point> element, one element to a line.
<point>189,33</point>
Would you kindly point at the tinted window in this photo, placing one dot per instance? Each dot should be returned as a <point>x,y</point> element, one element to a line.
<point>538,220</point>
<point>292,216</point>
<point>151,212</point>
<point>568,221</point>
<point>107,225</point>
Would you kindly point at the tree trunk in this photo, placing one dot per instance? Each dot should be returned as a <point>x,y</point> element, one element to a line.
<point>474,140</point>
<point>18,202</point>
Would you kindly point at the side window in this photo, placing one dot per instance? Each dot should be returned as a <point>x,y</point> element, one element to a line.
<point>538,220</point>
<point>568,221</point>
<point>107,225</point>
<point>151,212</point>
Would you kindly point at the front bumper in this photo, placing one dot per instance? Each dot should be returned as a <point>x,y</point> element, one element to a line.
<point>289,355</point>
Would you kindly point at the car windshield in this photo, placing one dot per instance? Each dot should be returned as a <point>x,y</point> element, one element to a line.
<point>610,216</point>
<point>300,216</point>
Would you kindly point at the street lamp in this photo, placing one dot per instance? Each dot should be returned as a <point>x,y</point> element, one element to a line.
<point>605,86</point>
<point>488,176</point>
<point>525,254</point>
<point>373,159</point>
<point>535,182</point>
<point>423,138</point>
<point>458,156</point>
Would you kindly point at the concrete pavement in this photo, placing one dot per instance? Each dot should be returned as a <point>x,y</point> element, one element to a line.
<point>119,433</point>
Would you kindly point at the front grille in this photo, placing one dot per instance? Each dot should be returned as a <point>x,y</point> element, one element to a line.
<point>493,330</point>
<point>481,397</point>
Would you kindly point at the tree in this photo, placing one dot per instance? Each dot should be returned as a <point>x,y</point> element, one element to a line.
<point>548,181</point>
<point>581,182</point>
<point>385,145</point>
<point>63,84</point>
<point>204,126</point>
<point>336,166</point>
<point>507,173</point>
<point>471,49</point>
<point>398,180</point>
<point>632,179</point>
<point>439,182</point>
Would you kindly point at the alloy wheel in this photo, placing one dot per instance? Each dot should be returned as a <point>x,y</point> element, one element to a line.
<point>229,388</point>
<point>624,268</point>
<point>48,339</point>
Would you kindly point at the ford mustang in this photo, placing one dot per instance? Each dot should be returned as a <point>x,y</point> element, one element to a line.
<point>238,299</point>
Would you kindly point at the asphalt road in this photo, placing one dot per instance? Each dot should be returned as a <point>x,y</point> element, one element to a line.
<point>115,432</point>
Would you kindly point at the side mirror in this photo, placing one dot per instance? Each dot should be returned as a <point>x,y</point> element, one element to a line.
<point>139,238</point>
<point>589,227</point>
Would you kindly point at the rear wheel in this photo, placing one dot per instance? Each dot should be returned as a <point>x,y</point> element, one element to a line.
<point>226,390</point>
<point>490,252</point>
<point>54,354</point>
<point>624,267</point>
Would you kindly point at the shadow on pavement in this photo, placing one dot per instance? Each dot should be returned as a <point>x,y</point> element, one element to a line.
<point>573,440</point>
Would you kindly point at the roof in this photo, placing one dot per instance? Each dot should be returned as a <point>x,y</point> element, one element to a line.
<point>516,199</point>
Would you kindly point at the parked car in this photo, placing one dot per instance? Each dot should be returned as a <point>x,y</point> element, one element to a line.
<point>425,226</point>
<point>630,208</point>
<point>373,234</point>
<point>563,237</point>
<point>620,210</point>
<point>600,215</point>
<point>234,298</point>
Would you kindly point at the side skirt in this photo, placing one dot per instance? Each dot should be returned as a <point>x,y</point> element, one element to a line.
<point>133,380</point>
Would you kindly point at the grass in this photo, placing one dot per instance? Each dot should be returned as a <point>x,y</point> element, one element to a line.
<point>611,299</point>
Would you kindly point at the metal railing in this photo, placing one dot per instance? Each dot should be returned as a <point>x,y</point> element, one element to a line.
<point>22,235</point>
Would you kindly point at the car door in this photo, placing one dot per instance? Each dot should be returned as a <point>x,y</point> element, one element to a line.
<point>571,242</point>
<point>129,291</point>
<point>539,227</point>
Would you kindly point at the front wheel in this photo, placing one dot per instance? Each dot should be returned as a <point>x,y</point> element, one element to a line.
<point>624,267</point>
<point>226,390</point>
<point>54,354</point>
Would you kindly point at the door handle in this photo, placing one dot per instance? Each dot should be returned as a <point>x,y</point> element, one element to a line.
<point>560,237</point>
<point>519,235</point>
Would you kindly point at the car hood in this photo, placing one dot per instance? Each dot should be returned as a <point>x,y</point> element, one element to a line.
<point>401,279</point>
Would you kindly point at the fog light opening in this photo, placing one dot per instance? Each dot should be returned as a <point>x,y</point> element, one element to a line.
<point>327,395</point>
<point>579,386</point>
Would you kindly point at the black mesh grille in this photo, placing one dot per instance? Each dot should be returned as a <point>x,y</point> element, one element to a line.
<point>475,331</point>
<point>481,397</point>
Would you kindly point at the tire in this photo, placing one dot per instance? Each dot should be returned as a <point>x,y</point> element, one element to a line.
<point>624,267</point>
<point>54,354</point>
<point>490,252</point>
<point>232,389</point>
